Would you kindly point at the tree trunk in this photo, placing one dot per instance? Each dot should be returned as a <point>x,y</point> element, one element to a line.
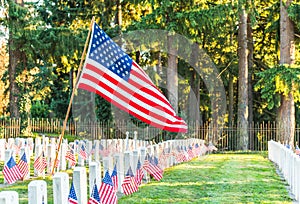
<point>231,101</point>
<point>243,82</point>
<point>14,55</point>
<point>286,111</point>
<point>172,74</point>
<point>250,73</point>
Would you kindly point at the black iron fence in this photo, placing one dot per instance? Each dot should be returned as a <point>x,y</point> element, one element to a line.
<point>225,138</point>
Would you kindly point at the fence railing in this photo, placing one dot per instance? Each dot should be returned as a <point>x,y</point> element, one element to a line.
<point>225,137</point>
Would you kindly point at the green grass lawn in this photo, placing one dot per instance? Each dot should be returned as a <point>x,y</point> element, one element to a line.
<point>216,178</point>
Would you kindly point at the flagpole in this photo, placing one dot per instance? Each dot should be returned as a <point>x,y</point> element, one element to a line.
<point>72,95</point>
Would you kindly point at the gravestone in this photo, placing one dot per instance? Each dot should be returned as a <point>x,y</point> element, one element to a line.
<point>60,188</point>
<point>135,139</point>
<point>120,169</point>
<point>62,156</point>
<point>107,164</point>
<point>127,161</point>
<point>9,197</point>
<point>30,145</point>
<point>142,160</point>
<point>51,154</point>
<point>37,192</point>
<point>97,152</point>
<point>80,184</point>
<point>94,175</point>
<point>135,157</point>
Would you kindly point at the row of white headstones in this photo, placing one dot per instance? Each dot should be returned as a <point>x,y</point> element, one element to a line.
<point>124,153</point>
<point>288,162</point>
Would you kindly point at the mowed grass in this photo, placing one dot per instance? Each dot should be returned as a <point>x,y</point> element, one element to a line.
<point>217,178</point>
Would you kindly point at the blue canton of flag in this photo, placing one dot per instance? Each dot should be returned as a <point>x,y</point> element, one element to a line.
<point>95,198</point>
<point>72,199</point>
<point>109,54</point>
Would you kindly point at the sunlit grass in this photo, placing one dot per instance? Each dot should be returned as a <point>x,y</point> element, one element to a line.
<point>217,178</point>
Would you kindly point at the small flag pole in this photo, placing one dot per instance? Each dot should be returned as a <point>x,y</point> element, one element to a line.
<point>72,95</point>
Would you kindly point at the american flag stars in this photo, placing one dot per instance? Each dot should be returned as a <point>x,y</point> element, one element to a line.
<point>109,54</point>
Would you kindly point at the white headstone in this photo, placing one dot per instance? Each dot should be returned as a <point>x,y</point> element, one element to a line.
<point>60,187</point>
<point>30,145</point>
<point>135,139</point>
<point>80,184</point>
<point>50,157</point>
<point>127,141</point>
<point>62,158</point>
<point>107,164</point>
<point>127,161</point>
<point>9,197</point>
<point>37,192</point>
<point>94,175</point>
<point>97,153</point>
<point>120,169</point>
<point>10,142</point>
<point>8,154</point>
<point>142,159</point>
<point>135,157</point>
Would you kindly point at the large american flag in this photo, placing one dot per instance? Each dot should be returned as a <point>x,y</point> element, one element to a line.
<point>129,184</point>
<point>112,74</point>
<point>95,198</point>
<point>107,191</point>
<point>72,198</point>
<point>40,163</point>
<point>11,171</point>
<point>23,166</point>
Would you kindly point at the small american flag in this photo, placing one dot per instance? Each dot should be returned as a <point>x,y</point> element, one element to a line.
<point>95,198</point>
<point>190,152</point>
<point>151,167</point>
<point>83,153</point>
<point>129,184</point>
<point>11,171</point>
<point>114,178</point>
<point>40,163</point>
<point>70,156</point>
<point>197,149</point>
<point>111,73</point>
<point>139,173</point>
<point>23,166</point>
<point>104,152</point>
<point>72,199</point>
<point>107,191</point>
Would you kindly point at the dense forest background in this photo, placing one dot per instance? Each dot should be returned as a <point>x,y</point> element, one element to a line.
<point>43,42</point>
